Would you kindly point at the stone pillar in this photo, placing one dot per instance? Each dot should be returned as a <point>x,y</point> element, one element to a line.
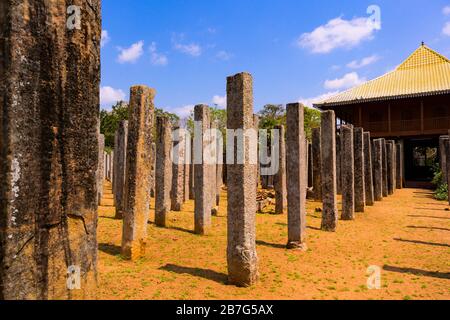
<point>49,141</point>
<point>120,164</point>
<point>328,132</point>
<point>177,192</point>
<point>385,169</point>
<point>163,170</point>
<point>368,173</point>
<point>191,173</point>
<point>447,163</point>
<point>241,250</point>
<point>360,192</point>
<point>202,183</point>
<point>378,169</point>
<point>280,177</point>
<point>338,164</point>
<point>317,163</point>
<point>348,173</point>
<point>390,166</point>
<point>187,166</point>
<point>219,170</point>
<point>256,121</point>
<point>101,167</point>
<point>399,170</point>
<point>442,156</point>
<point>137,184</point>
<point>153,170</point>
<point>297,181</point>
<point>310,166</point>
<point>212,149</point>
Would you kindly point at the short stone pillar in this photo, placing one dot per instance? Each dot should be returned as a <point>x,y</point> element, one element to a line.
<point>280,177</point>
<point>378,169</point>
<point>338,164</point>
<point>390,145</point>
<point>178,166</point>
<point>368,171</point>
<point>49,138</point>
<point>360,192</point>
<point>137,184</point>
<point>399,170</point>
<point>385,169</point>
<point>202,171</point>
<point>348,173</point>
<point>328,132</point>
<point>120,152</point>
<point>296,181</point>
<point>163,170</point>
<point>317,163</point>
<point>101,167</point>
<point>241,250</point>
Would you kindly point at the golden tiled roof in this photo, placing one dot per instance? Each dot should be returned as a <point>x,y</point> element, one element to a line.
<point>424,73</point>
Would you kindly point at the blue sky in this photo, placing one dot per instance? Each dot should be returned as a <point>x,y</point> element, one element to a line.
<point>296,50</point>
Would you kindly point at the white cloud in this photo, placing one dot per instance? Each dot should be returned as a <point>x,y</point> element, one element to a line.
<point>446,10</point>
<point>191,49</point>
<point>310,101</point>
<point>223,55</point>
<point>446,29</point>
<point>109,96</point>
<point>105,38</point>
<point>349,80</point>
<point>220,101</point>
<point>157,59</point>
<point>338,33</point>
<point>355,64</point>
<point>183,112</point>
<point>131,54</point>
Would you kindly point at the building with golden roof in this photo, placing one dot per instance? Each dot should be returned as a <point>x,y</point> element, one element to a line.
<point>410,104</point>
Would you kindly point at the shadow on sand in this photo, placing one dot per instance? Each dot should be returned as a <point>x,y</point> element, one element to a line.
<point>197,272</point>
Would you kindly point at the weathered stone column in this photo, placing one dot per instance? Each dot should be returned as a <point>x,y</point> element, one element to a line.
<point>385,169</point>
<point>153,170</point>
<point>187,167</point>
<point>241,251</point>
<point>348,173</point>
<point>390,166</point>
<point>368,171</point>
<point>297,181</point>
<point>328,132</point>
<point>317,163</point>
<point>360,192</point>
<point>202,183</point>
<point>378,169</point>
<point>101,167</point>
<point>443,156</point>
<point>219,170</point>
<point>447,156</point>
<point>177,192</point>
<point>137,183</point>
<point>310,166</point>
<point>280,177</point>
<point>256,121</point>
<point>338,164</point>
<point>212,149</point>
<point>191,173</point>
<point>49,141</point>
<point>120,164</point>
<point>400,161</point>
<point>163,170</point>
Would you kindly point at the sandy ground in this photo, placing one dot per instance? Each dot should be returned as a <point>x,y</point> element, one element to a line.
<point>407,236</point>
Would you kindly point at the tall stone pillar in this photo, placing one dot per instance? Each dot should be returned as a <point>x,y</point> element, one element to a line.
<point>447,163</point>
<point>368,171</point>
<point>137,184</point>
<point>187,167</point>
<point>310,166</point>
<point>49,145</point>
<point>338,164</point>
<point>385,169</point>
<point>153,170</point>
<point>280,177</point>
<point>241,250</point>
<point>191,173</point>
<point>443,156</point>
<point>378,169</point>
<point>297,181</point>
<point>399,169</point>
<point>360,192</point>
<point>317,163</point>
<point>348,173</point>
<point>101,167</point>
<point>177,192</point>
<point>212,149</point>
<point>390,166</point>
<point>163,170</point>
<point>202,171</point>
<point>120,164</point>
<point>219,169</point>
<point>330,211</point>
<point>256,121</point>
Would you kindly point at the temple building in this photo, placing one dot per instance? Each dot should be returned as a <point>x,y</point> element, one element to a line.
<point>410,104</point>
